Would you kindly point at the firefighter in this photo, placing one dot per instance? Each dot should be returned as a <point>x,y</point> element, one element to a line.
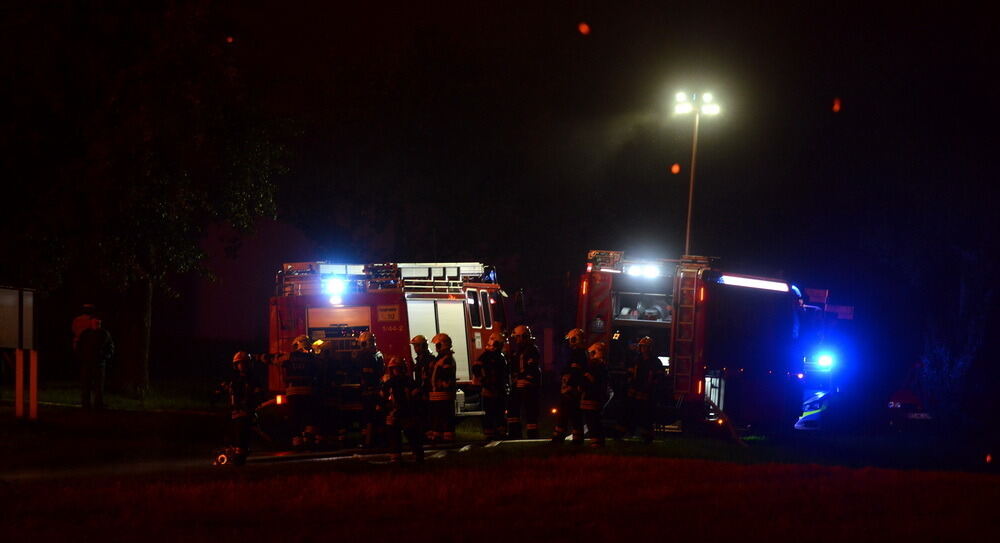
<point>490,372</point>
<point>595,392</point>
<point>301,373</point>
<point>423,361</point>
<point>347,385</point>
<point>402,398</point>
<point>526,377</point>
<point>328,395</point>
<point>372,366</point>
<point>244,394</point>
<point>569,417</point>
<point>645,375</point>
<point>441,405</point>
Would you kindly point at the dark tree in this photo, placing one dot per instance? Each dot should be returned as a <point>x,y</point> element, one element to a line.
<point>132,132</point>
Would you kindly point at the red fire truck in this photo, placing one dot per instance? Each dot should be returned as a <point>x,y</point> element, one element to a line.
<point>728,342</point>
<point>395,301</point>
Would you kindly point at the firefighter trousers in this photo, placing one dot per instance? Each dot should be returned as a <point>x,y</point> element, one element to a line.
<point>569,419</point>
<point>638,419</point>
<point>303,412</point>
<point>442,420</point>
<point>92,377</point>
<point>240,426</point>
<point>523,409</point>
<point>494,424</point>
<point>595,428</point>
<point>414,437</point>
<point>372,419</point>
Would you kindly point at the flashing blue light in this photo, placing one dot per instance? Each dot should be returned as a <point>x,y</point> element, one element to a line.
<point>825,361</point>
<point>333,286</point>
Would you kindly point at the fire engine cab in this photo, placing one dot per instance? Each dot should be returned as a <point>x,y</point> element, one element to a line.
<point>395,301</point>
<point>729,343</point>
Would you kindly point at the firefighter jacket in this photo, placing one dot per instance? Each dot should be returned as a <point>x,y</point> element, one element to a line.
<point>525,368</point>
<point>347,379</point>
<point>372,368</point>
<point>644,376</point>
<point>401,398</point>
<point>490,372</point>
<point>422,371</point>
<point>572,375</point>
<point>95,347</point>
<point>244,394</point>
<point>595,386</point>
<point>301,372</point>
<point>443,383</point>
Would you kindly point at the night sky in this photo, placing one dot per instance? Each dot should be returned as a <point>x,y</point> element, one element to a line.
<point>499,132</point>
<point>486,116</point>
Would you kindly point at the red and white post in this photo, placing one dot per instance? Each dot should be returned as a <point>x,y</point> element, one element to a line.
<point>19,368</point>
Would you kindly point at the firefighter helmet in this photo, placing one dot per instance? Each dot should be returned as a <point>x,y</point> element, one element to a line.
<point>521,333</point>
<point>645,345</point>
<point>241,356</point>
<point>597,350</point>
<point>302,343</point>
<point>441,341</point>
<point>575,338</point>
<point>418,340</point>
<point>495,342</point>
<point>366,340</point>
<point>396,362</point>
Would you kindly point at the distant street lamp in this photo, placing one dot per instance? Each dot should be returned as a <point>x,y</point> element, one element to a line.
<point>694,104</point>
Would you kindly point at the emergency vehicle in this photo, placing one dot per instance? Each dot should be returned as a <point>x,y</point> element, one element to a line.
<point>731,344</point>
<point>395,301</point>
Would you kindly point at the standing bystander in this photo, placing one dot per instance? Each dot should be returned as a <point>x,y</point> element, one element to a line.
<point>94,349</point>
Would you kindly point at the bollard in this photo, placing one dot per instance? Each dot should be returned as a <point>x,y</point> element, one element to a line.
<point>32,384</point>
<point>33,387</point>
<point>19,383</point>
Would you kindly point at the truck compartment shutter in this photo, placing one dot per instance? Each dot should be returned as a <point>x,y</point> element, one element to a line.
<point>451,321</point>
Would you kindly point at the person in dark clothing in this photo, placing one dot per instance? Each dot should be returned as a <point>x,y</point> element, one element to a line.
<point>328,403</point>
<point>490,372</point>
<point>423,361</point>
<point>644,378</point>
<point>526,378</point>
<point>244,396</point>
<point>401,398</point>
<point>569,417</point>
<point>94,350</point>
<point>595,393</point>
<point>372,367</point>
<point>347,380</point>
<point>301,374</point>
<point>443,391</point>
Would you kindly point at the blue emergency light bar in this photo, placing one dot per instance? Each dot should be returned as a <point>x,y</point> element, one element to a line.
<point>825,361</point>
<point>749,282</point>
<point>333,286</point>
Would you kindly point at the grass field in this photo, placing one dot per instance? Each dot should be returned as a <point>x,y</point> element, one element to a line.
<point>178,395</point>
<point>811,488</point>
<point>509,494</point>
